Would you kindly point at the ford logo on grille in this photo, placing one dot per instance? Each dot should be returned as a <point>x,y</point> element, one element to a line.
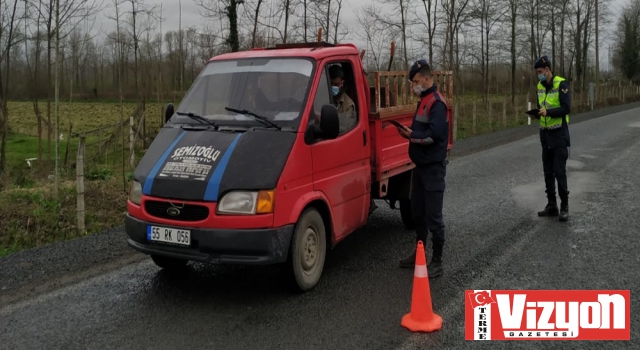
<point>173,211</point>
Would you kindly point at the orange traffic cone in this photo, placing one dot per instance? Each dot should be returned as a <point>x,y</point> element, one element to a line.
<point>421,318</point>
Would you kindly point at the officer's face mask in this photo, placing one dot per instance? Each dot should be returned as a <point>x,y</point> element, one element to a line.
<point>418,88</point>
<point>542,76</point>
<point>335,90</point>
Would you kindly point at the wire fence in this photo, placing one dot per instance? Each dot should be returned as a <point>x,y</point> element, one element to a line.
<point>113,150</point>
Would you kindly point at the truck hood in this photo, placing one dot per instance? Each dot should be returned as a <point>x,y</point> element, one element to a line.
<point>201,165</point>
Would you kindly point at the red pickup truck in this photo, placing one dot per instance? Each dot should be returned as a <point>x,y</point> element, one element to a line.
<point>243,174</point>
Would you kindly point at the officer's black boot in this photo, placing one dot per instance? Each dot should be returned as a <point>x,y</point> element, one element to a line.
<point>564,207</point>
<point>409,261</point>
<point>372,207</point>
<point>552,206</point>
<point>434,267</point>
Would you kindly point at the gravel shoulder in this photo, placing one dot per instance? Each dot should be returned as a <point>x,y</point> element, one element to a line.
<point>38,270</point>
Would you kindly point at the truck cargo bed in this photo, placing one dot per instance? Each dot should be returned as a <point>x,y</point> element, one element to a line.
<point>391,99</point>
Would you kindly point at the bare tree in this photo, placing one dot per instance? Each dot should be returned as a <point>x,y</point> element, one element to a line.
<point>34,73</point>
<point>431,22</point>
<point>376,37</point>
<point>224,9</point>
<point>9,41</point>
<point>488,13</point>
<point>514,6</point>
<point>456,14</point>
<point>394,14</point>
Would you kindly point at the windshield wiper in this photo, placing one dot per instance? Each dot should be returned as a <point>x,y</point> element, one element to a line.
<point>258,117</point>
<point>199,118</point>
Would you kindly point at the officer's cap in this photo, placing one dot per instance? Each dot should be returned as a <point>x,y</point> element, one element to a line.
<point>416,67</point>
<point>542,62</point>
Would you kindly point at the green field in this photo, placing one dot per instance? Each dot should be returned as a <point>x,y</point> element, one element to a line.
<point>31,215</point>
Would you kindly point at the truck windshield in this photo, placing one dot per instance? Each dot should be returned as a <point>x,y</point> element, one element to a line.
<point>275,88</point>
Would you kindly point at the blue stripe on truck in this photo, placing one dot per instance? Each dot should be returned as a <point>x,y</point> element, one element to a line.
<point>148,183</point>
<point>211,194</point>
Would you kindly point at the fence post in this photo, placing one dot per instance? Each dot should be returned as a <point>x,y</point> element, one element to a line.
<point>131,138</point>
<point>515,113</point>
<point>455,122</point>
<point>80,185</point>
<point>490,114</point>
<point>474,118</point>
<point>504,112</point>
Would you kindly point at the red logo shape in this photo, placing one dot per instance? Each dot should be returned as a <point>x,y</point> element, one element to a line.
<point>480,299</point>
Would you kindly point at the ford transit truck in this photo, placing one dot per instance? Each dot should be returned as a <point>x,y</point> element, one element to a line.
<point>251,167</point>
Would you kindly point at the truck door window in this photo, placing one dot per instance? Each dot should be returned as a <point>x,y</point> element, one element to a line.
<point>322,94</point>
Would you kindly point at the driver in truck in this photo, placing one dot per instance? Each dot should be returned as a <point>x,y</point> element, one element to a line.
<point>342,101</point>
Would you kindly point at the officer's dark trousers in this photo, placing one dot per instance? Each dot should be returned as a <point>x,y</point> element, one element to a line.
<point>554,162</point>
<point>427,199</point>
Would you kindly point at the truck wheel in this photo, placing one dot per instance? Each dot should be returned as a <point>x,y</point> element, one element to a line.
<point>406,215</point>
<point>308,250</point>
<point>169,263</point>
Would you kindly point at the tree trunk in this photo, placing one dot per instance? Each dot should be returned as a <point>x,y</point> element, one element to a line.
<point>255,24</point>
<point>57,102</point>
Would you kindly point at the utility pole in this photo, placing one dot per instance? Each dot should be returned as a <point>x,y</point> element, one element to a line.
<point>597,53</point>
<point>181,53</point>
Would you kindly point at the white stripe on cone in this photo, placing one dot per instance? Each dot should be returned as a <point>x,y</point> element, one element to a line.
<point>420,271</point>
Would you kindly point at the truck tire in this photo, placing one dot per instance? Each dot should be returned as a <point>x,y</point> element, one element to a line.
<point>406,215</point>
<point>169,263</point>
<point>308,250</point>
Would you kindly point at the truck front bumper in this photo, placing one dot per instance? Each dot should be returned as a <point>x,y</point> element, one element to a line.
<point>224,246</point>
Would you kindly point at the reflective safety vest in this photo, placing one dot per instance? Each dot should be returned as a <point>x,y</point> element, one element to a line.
<point>548,101</point>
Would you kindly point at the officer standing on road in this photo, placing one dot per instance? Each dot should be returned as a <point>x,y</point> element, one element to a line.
<point>428,140</point>
<point>554,101</point>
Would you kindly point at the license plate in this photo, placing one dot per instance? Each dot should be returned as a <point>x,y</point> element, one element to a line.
<point>169,235</point>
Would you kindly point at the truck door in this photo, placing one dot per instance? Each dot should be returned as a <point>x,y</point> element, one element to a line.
<point>341,168</point>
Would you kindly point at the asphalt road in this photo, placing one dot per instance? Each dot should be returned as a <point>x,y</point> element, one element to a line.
<point>120,300</point>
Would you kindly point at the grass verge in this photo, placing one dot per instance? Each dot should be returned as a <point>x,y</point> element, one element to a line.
<point>31,215</point>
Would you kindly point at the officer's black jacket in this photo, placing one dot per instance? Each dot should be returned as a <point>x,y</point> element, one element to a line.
<point>436,127</point>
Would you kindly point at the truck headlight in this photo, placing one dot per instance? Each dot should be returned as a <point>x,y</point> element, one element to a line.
<point>136,192</point>
<point>247,202</point>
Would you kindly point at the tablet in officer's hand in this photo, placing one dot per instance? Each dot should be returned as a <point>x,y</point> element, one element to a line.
<point>397,124</point>
<point>533,112</point>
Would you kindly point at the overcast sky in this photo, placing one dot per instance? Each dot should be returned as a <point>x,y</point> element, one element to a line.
<point>191,16</point>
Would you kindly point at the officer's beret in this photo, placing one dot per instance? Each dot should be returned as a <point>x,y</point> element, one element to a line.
<point>416,67</point>
<point>542,62</point>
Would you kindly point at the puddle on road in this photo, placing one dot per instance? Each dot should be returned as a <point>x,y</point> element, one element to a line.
<point>574,164</point>
<point>587,156</point>
<point>531,196</point>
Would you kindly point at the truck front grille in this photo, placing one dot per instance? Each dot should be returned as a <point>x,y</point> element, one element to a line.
<point>186,212</point>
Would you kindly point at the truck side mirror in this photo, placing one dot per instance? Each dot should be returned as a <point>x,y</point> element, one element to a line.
<point>168,112</point>
<point>328,129</point>
<point>329,122</point>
